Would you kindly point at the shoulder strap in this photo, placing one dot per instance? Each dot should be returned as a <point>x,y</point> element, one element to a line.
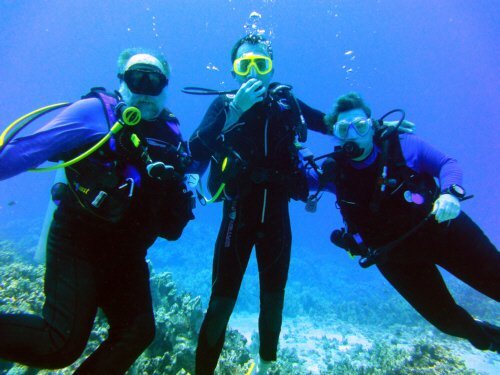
<point>299,122</point>
<point>167,116</point>
<point>172,123</point>
<point>382,167</point>
<point>108,101</point>
<point>391,155</point>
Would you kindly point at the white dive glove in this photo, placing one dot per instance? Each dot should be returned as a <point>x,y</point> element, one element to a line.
<point>446,207</point>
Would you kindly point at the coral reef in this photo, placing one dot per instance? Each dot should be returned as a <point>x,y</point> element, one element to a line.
<point>423,358</point>
<point>178,318</point>
<point>429,359</point>
<point>21,284</point>
<point>324,344</point>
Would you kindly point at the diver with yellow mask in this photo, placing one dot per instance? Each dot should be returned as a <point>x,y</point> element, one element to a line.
<point>249,136</point>
<point>118,199</point>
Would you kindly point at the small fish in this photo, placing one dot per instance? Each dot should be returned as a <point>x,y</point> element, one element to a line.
<point>11,203</point>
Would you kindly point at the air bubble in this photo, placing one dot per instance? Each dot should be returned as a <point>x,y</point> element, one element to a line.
<point>252,25</point>
<point>211,66</point>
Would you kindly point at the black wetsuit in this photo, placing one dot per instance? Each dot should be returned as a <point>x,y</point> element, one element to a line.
<point>462,249</point>
<point>255,213</point>
<point>94,263</point>
<point>459,246</point>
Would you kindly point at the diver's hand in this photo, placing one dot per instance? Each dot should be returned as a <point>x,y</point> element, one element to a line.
<point>446,207</point>
<point>406,126</point>
<point>251,92</point>
<point>330,169</point>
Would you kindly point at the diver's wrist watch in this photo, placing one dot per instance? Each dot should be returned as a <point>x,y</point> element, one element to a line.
<point>456,191</point>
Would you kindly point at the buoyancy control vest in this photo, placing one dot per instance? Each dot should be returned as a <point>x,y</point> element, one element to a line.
<point>384,216</point>
<point>113,184</point>
<point>261,149</point>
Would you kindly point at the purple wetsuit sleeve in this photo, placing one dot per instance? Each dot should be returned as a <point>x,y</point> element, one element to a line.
<point>422,157</point>
<point>82,123</point>
<point>313,182</point>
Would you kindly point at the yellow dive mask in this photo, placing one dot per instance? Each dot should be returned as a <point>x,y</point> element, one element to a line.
<point>261,63</point>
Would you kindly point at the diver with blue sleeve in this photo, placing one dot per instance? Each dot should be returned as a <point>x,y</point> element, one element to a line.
<point>398,218</point>
<point>125,164</point>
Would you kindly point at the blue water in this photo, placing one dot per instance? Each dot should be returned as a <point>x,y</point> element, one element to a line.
<point>436,60</point>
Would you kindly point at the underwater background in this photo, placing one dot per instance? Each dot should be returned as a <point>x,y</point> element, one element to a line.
<point>437,60</point>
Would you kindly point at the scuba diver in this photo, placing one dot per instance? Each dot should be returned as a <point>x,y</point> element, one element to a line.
<point>398,218</point>
<point>250,139</point>
<point>116,202</point>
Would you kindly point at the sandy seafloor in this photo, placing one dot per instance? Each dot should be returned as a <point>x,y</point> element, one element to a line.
<point>305,336</point>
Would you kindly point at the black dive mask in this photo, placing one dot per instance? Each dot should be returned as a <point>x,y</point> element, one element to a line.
<point>145,80</point>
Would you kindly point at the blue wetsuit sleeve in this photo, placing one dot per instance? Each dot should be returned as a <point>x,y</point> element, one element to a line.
<point>313,117</point>
<point>422,157</point>
<point>80,124</point>
<point>206,139</point>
